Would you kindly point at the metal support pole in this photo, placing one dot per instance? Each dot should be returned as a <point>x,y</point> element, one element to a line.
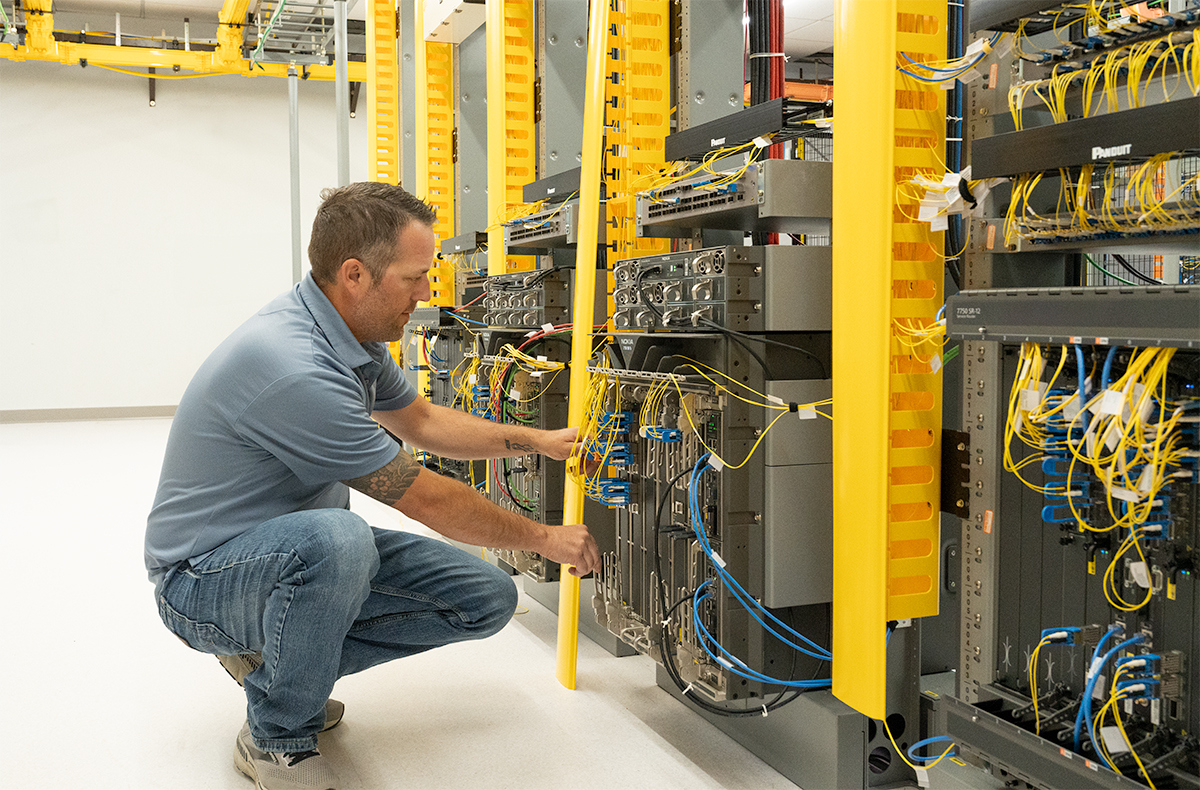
<point>294,146</point>
<point>342,92</point>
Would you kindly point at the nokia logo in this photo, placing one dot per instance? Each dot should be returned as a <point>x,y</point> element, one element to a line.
<point>1116,150</point>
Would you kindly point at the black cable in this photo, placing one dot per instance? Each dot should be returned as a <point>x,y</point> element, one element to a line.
<point>641,289</point>
<point>1133,270</point>
<point>762,362</point>
<point>757,339</point>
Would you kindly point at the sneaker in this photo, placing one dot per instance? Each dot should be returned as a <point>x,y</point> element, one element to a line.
<point>239,666</point>
<point>282,770</point>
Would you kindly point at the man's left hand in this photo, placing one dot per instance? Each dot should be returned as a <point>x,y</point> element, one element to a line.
<point>558,444</point>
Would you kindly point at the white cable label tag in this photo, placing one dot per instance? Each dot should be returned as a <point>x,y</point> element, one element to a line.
<point>472,378</point>
<point>537,374</point>
<point>1030,399</point>
<point>717,559</point>
<point>547,328</point>
<point>939,223</point>
<point>922,776</point>
<point>1125,494</point>
<point>807,412</point>
<point>716,463</point>
<point>776,400</point>
<point>1146,481</point>
<point>935,363</point>
<point>514,394</point>
<point>531,333</point>
<point>1100,689</point>
<point>977,47</point>
<point>1094,668</point>
<point>1111,402</point>
<point>762,141</point>
<point>1072,407</point>
<point>1141,575</point>
<point>542,358</point>
<point>1111,436</point>
<point>1114,741</point>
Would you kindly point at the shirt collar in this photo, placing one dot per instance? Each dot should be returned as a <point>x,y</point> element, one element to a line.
<point>342,340</point>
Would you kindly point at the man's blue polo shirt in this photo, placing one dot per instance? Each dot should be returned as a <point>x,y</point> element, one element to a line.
<point>273,420</point>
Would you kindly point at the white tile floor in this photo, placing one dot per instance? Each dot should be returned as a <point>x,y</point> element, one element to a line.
<point>99,695</point>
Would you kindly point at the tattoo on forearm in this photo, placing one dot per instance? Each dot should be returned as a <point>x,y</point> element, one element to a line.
<point>390,482</point>
<point>524,448</point>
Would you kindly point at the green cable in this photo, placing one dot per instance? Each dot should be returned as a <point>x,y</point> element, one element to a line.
<point>7,25</point>
<point>1106,271</point>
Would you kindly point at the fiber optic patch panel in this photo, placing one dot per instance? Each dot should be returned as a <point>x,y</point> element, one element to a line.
<point>506,389</point>
<point>556,227</point>
<point>777,195</point>
<point>749,289</point>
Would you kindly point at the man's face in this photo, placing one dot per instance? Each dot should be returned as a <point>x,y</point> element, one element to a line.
<point>388,303</point>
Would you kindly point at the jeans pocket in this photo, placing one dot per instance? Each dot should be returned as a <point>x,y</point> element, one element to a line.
<point>205,637</point>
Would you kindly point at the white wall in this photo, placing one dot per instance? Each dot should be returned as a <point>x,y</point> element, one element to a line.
<point>133,239</point>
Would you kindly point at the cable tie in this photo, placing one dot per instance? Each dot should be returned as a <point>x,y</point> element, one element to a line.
<point>764,711</point>
<point>770,55</point>
<point>686,690</point>
<point>793,407</point>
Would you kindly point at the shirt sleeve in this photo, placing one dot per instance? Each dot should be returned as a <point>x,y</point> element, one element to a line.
<point>392,390</point>
<point>316,424</point>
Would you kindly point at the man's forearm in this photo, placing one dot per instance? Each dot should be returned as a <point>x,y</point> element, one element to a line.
<point>449,507</point>
<point>456,434</point>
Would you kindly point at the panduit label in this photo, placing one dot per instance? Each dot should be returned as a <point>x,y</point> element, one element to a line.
<point>1099,152</point>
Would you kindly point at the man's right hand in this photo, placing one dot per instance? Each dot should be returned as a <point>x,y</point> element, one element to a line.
<point>572,544</point>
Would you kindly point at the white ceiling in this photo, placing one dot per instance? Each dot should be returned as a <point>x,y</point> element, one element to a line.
<point>807,27</point>
<point>808,24</point>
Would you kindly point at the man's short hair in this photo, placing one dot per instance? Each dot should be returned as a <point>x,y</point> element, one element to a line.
<point>361,221</point>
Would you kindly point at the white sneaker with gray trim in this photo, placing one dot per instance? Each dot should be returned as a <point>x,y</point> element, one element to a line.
<point>238,666</point>
<point>282,771</point>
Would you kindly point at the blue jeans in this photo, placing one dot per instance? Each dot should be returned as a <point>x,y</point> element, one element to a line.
<point>322,594</point>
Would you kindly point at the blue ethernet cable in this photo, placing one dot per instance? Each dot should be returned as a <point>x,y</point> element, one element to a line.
<point>732,662</point>
<point>1090,688</point>
<point>1085,703</point>
<point>744,598</point>
<point>1107,372</point>
<point>926,742</point>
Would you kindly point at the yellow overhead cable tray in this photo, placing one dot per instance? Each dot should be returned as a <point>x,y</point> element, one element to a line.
<point>41,45</point>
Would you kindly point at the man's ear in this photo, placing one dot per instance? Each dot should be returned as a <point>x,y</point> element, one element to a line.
<point>353,275</point>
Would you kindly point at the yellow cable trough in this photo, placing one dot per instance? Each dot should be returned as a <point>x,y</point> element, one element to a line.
<point>581,336</point>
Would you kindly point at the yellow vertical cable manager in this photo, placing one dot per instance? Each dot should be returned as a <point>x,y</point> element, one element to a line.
<point>582,310</point>
<point>383,92</point>
<point>435,145</point>
<point>637,93</point>
<point>887,270</point>
<point>511,146</point>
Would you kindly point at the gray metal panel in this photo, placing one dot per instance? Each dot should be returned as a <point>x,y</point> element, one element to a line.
<point>795,441</point>
<point>563,80</point>
<point>811,196</point>
<point>798,289</point>
<point>1021,753</point>
<point>408,97</point>
<point>798,535</point>
<point>471,171</point>
<point>816,741</point>
<point>714,60</point>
